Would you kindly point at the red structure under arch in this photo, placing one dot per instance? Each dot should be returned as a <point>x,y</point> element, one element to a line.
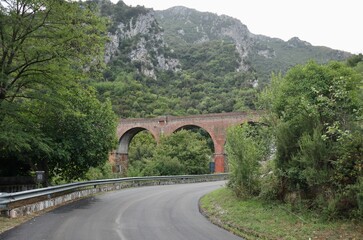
<point>215,124</point>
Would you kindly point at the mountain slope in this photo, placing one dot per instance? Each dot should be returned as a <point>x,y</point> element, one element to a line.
<point>184,26</point>
<point>181,61</point>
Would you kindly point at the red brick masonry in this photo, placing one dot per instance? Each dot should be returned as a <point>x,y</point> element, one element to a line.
<point>215,124</point>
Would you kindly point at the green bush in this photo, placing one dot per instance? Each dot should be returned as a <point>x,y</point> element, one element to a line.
<point>269,183</point>
<point>102,172</point>
<point>245,149</point>
<point>164,166</point>
<point>315,112</point>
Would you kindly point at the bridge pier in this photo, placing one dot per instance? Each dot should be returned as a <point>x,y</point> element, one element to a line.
<point>219,159</point>
<point>121,162</point>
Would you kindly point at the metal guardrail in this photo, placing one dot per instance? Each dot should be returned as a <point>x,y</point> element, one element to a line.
<point>9,198</point>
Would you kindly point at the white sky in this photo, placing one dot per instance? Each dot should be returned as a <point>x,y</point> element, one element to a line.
<point>337,24</point>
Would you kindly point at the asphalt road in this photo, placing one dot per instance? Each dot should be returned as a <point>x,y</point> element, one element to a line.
<point>146,213</point>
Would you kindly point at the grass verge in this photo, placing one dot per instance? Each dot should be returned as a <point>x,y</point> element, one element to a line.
<point>9,223</point>
<point>255,219</point>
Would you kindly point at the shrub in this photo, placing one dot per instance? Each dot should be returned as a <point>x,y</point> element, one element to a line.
<point>245,151</point>
<point>316,112</point>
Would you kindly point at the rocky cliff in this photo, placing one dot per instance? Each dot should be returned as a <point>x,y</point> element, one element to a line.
<point>141,39</point>
<point>154,41</point>
<point>263,54</point>
<point>189,26</point>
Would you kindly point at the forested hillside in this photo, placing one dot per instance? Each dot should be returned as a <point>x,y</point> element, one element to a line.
<point>181,61</point>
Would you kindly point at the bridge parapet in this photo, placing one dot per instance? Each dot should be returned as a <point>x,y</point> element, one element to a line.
<point>250,115</point>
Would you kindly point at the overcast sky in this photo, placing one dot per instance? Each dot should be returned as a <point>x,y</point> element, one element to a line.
<point>336,24</point>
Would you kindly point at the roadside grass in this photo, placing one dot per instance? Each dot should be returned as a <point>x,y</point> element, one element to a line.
<point>256,219</point>
<point>7,223</point>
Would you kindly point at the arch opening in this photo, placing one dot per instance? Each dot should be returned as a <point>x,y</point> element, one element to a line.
<point>206,136</point>
<point>141,150</point>
<point>122,153</point>
<point>202,132</point>
<point>127,137</point>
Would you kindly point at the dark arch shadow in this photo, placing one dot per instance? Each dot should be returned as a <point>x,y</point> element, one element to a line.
<point>125,139</point>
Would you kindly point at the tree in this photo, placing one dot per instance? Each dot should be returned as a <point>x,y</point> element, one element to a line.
<point>354,60</point>
<point>247,147</point>
<point>183,152</point>
<point>64,134</point>
<point>141,150</point>
<point>49,121</point>
<point>316,114</point>
<point>45,43</point>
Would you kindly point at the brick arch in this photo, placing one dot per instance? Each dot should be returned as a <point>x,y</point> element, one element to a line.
<point>186,126</point>
<point>121,155</point>
<point>125,139</point>
<point>215,131</point>
<point>214,124</point>
<point>218,138</point>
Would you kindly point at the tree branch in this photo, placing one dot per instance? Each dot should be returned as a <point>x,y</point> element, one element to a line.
<point>24,68</point>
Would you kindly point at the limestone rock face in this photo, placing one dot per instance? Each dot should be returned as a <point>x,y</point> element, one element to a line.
<point>146,39</point>
<point>147,45</point>
<point>199,27</point>
<point>258,53</point>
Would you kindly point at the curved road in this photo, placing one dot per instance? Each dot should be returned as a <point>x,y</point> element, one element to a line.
<point>146,213</point>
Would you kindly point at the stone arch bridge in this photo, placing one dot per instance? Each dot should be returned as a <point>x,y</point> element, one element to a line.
<point>214,124</point>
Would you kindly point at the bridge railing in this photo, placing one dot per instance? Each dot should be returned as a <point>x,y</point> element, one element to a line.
<point>26,202</point>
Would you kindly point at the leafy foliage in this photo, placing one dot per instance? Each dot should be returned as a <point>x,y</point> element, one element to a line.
<point>183,152</point>
<point>120,12</point>
<point>141,151</point>
<point>354,60</point>
<point>46,43</point>
<point>316,114</point>
<point>208,85</point>
<point>48,119</point>
<point>247,147</point>
<point>101,172</point>
<point>189,148</point>
<point>64,133</point>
